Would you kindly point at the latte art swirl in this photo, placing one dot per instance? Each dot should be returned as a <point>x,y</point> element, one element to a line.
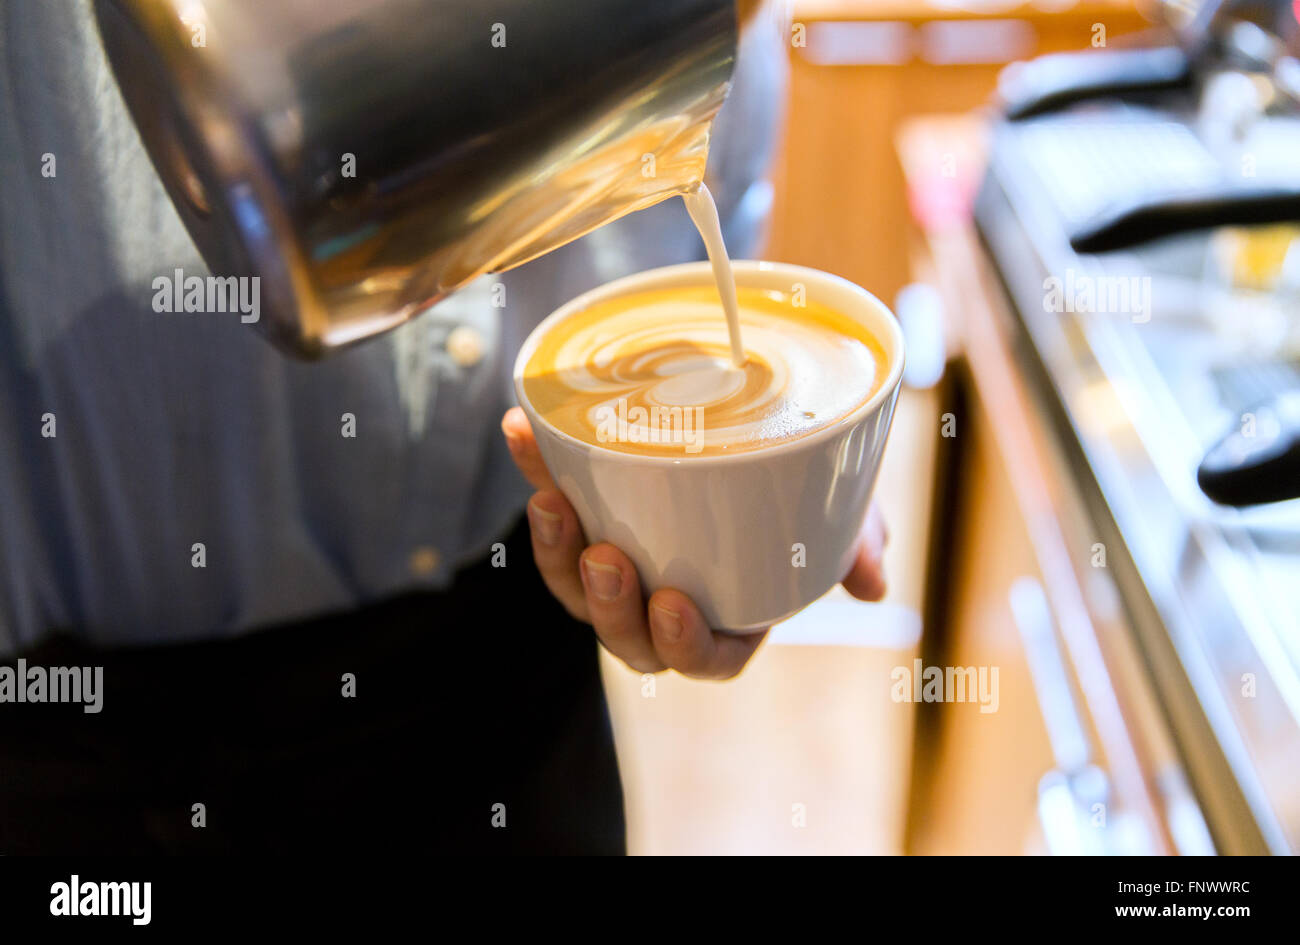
<point>651,372</point>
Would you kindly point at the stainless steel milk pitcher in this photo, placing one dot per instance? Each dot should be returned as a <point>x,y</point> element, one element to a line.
<point>364,158</point>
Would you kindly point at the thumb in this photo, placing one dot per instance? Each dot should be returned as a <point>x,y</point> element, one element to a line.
<point>524,451</point>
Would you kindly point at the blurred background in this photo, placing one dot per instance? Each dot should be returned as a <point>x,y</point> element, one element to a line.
<point>1087,216</point>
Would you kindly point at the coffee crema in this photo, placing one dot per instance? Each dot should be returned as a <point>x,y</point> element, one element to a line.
<point>651,372</point>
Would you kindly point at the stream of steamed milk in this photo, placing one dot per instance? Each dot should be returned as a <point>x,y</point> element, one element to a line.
<point>704,214</point>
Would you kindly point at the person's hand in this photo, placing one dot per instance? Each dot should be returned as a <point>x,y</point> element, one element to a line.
<point>598,584</point>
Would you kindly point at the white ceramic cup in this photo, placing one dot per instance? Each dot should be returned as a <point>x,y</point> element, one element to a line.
<point>727,530</point>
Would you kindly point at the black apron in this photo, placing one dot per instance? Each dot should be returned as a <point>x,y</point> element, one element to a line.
<point>478,725</point>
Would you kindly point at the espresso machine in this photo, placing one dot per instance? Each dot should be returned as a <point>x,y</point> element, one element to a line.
<point>1195,137</point>
<point>1164,179</point>
<point>365,158</point>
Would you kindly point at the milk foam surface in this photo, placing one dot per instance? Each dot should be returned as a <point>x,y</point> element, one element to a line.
<point>652,373</point>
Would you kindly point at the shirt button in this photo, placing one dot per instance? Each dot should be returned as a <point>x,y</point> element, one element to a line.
<point>465,345</point>
<point>424,561</point>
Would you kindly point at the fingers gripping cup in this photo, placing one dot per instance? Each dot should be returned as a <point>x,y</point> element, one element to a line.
<point>743,487</point>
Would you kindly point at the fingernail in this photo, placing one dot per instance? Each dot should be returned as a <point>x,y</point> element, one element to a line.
<point>667,623</point>
<point>545,525</point>
<point>604,580</point>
